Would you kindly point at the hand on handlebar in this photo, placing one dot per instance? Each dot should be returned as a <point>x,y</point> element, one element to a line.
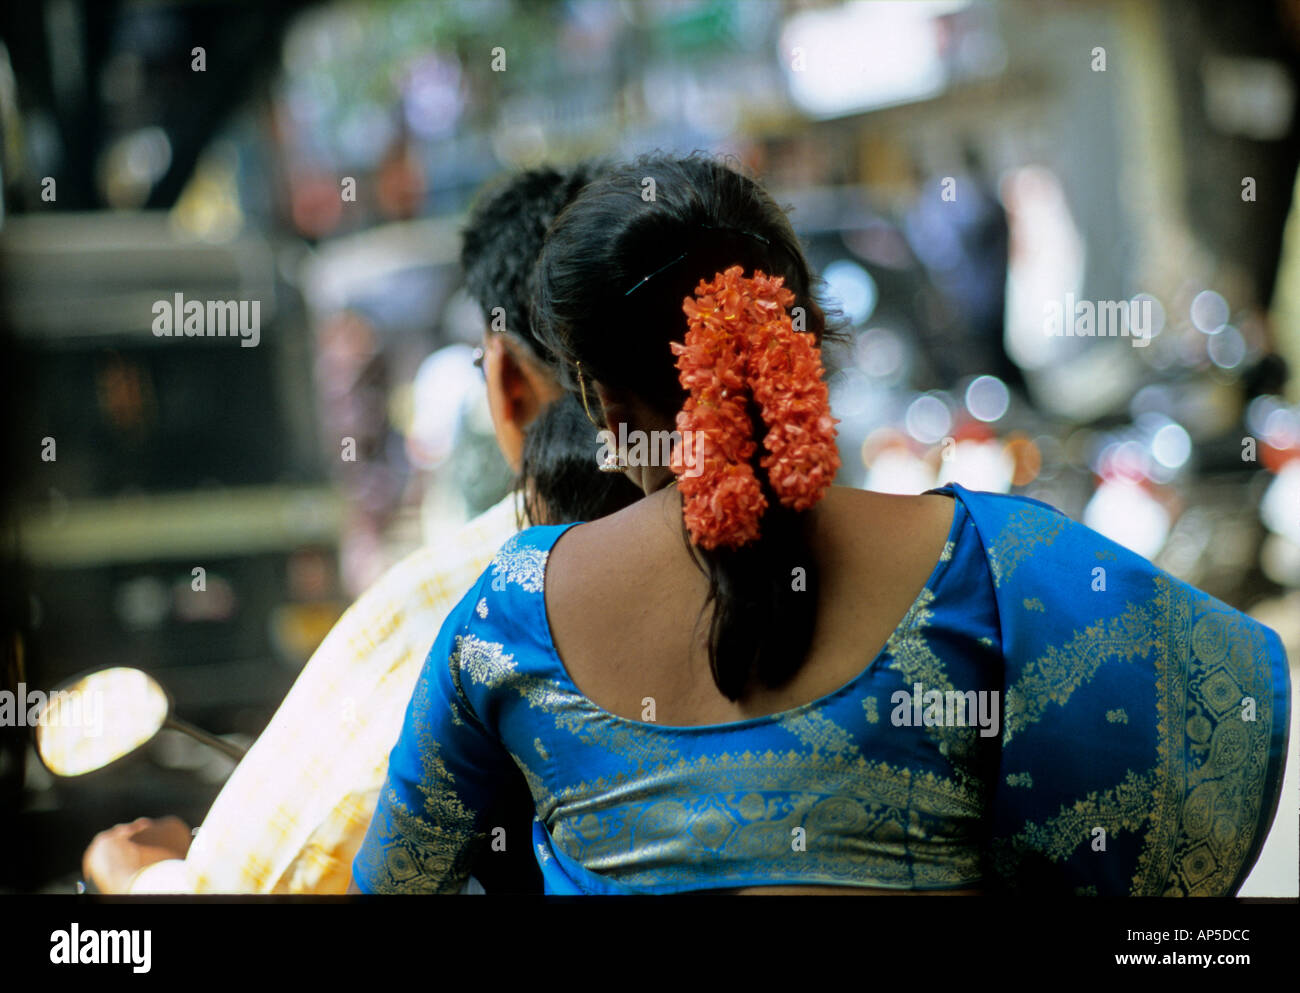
<point>114,856</point>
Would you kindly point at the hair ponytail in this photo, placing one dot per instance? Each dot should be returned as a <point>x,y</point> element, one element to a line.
<point>744,366</point>
<point>763,608</point>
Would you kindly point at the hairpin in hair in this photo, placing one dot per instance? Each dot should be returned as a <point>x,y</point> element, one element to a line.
<point>652,275</point>
<point>702,227</point>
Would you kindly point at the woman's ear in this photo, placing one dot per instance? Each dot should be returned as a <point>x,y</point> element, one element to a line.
<point>613,407</point>
<point>621,406</point>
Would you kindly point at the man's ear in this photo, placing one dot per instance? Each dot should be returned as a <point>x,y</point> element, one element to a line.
<point>523,387</point>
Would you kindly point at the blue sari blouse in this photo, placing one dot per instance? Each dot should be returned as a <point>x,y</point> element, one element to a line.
<point>1053,713</point>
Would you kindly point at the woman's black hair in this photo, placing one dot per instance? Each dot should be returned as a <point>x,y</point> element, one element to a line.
<point>678,221</point>
<point>559,477</point>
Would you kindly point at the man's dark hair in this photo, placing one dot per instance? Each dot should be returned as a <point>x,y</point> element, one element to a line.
<point>503,237</point>
<point>501,242</point>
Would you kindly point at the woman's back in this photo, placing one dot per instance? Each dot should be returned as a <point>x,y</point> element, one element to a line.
<point>824,790</point>
<point>623,597</point>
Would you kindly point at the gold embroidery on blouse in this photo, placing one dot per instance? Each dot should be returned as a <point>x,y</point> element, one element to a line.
<point>1059,671</point>
<point>1126,807</point>
<point>486,662</point>
<point>543,801</point>
<point>818,732</point>
<point>1024,530</point>
<point>869,706</point>
<point>521,564</point>
<point>865,823</point>
<point>1201,802</point>
<point>434,847</point>
<point>1204,837</point>
<point>643,746</point>
<point>912,657</point>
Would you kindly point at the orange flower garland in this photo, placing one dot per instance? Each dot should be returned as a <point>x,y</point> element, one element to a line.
<point>740,343</point>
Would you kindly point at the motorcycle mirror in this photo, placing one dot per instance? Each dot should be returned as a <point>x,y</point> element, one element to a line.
<point>98,718</point>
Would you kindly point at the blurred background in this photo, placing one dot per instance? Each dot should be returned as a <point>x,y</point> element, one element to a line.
<point>956,170</point>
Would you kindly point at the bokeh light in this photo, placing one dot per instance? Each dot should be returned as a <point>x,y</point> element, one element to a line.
<point>1209,312</point>
<point>987,398</point>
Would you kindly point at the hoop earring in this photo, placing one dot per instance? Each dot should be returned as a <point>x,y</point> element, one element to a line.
<point>582,389</point>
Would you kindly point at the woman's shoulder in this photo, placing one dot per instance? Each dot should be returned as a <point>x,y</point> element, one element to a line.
<point>498,632</point>
<point>1024,543</point>
<point>1041,559</point>
<point>505,601</point>
<point>521,560</point>
<point>1002,504</point>
<point>904,527</point>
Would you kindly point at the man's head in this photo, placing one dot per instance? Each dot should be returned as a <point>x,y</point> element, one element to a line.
<point>502,239</point>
